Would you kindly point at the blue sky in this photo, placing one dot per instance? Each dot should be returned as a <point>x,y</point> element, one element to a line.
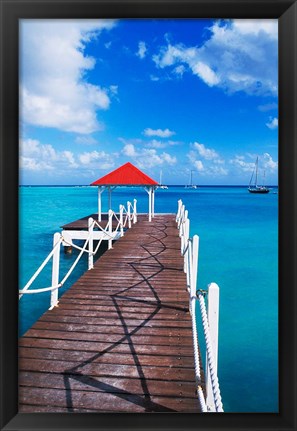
<point>166,95</point>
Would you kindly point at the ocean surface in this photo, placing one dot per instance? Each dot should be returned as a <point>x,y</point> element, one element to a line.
<point>238,250</point>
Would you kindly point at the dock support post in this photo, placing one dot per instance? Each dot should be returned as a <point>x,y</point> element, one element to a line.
<point>110,228</point>
<point>129,214</point>
<point>90,254</point>
<point>134,211</point>
<point>55,271</point>
<point>121,220</point>
<point>213,323</point>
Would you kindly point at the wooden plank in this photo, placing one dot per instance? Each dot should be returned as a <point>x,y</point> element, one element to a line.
<point>105,338</point>
<point>135,386</point>
<point>107,358</point>
<point>105,401</point>
<point>96,347</point>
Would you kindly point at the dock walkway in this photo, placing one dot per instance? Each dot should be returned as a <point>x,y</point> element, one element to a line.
<point>121,338</point>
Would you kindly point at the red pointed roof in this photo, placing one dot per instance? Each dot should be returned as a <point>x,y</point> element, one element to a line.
<point>125,175</point>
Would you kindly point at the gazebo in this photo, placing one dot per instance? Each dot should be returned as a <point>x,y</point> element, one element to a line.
<point>126,175</point>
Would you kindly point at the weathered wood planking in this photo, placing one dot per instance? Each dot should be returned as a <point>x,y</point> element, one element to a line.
<point>121,338</point>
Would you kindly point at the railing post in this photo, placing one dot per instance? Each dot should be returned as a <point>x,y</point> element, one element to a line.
<point>213,323</point>
<point>183,231</point>
<point>178,210</point>
<point>110,228</point>
<point>190,269</point>
<point>121,219</point>
<point>182,212</point>
<point>134,211</point>
<point>186,245</point>
<point>90,254</point>
<point>129,214</point>
<point>195,251</point>
<point>55,271</point>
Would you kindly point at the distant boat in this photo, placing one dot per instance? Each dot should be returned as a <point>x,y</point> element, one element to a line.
<point>255,188</point>
<point>162,186</point>
<point>191,185</point>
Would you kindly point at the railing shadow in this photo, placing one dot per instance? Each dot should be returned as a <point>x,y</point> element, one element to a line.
<point>144,400</point>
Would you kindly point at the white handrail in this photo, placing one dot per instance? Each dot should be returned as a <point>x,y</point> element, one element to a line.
<point>59,239</point>
<point>189,250</point>
<point>46,260</point>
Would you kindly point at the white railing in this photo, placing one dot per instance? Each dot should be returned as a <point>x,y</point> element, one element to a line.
<point>126,216</point>
<point>210,318</point>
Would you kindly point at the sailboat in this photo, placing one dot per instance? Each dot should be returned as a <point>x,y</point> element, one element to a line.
<point>162,186</point>
<point>255,188</point>
<point>191,185</point>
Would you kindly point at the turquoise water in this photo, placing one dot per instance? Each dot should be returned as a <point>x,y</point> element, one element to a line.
<point>238,250</point>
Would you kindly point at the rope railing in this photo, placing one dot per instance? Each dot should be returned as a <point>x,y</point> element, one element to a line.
<point>107,234</point>
<point>189,250</point>
<point>210,358</point>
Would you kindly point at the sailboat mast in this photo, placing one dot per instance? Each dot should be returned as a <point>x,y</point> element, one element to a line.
<point>160,177</point>
<point>191,178</point>
<point>256,172</point>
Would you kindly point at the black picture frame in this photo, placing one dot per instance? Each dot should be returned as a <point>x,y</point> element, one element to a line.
<point>286,12</point>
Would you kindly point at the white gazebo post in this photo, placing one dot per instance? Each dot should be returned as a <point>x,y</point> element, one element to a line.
<point>109,197</point>
<point>100,191</point>
<point>153,202</point>
<point>150,203</point>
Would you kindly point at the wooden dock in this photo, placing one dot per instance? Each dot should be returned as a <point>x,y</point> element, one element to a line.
<point>121,338</point>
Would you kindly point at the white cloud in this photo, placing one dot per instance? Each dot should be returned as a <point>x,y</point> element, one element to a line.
<point>204,152</point>
<point>158,132</point>
<point>142,49</point>
<point>267,107</point>
<point>156,144</point>
<point>129,150</point>
<point>35,156</point>
<point>239,55</point>
<point>148,157</point>
<point>179,70</point>
<point>205,73</point>
<point>265,163</point>
<point>53,90</point>
<point>96,159</point>
<point>239,162</point>
<point>211,164</point>
<point>269,163</point>
<point>198,165</point>
<point>217,171</point>
<point>30,164</point>
<point>273,123</point>
<point>161,144</point>
<point>86,140</point>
